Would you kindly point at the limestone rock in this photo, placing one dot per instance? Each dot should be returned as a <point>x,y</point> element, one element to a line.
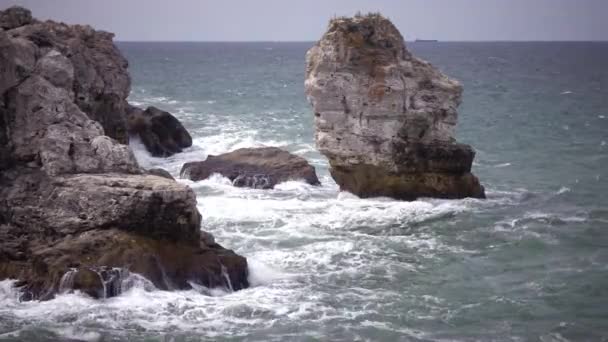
<point>160,172</point>
<point>260,168</point>
<point>161,133</point>
<point>384,118</point>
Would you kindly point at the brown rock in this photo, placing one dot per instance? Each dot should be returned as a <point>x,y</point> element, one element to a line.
<point>260,168</point>
<point>161,133</point>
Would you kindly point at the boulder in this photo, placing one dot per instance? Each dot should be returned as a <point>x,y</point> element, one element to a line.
<point>76,210</point>
<point>260,168</point>
<point>14,17</point>
<point>160,132</point>
<point>384,118</point>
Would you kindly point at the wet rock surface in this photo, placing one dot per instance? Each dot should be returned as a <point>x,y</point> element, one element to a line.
<point>160,132</point>
<point>259,168</point>
<point>75,207</point>
<point>384,118</point>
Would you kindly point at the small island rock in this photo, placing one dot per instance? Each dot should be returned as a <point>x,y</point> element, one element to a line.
<point>384,118</point>
<point>259,168</point>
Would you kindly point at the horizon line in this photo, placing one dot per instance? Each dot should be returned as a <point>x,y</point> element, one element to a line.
<point>314,41</point>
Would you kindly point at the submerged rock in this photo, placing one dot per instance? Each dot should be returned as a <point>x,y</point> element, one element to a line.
<point>75,206</point>
<point>384,118</point>
<point>160,132</point>
<point>260,168</point>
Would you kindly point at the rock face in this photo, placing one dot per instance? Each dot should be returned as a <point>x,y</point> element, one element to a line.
<point>260,168</point>
<point>384,118</point>
<point>161,133</point>
<point>76,210</point>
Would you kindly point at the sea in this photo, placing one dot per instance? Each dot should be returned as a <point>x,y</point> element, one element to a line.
<point>529,263</point>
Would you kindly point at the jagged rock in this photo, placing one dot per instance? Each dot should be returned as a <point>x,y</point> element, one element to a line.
<point>160,132</point>
<point>384,118</point>
<point>14,17</point>
<point>260,168</point>
<point>68,190</point>
<point>101,81</point>
<point>88,281</point>
<point>160,172</point>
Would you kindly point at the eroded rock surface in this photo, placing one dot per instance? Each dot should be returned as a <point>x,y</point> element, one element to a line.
<point>260,168</point>
<point>384,118</point>
<point>76,210</point>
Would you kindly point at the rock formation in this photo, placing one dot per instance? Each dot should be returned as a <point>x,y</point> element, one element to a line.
<point>161,133</point>
<point>74,204</point>
<point>384,118</point>
<point>260,168</point>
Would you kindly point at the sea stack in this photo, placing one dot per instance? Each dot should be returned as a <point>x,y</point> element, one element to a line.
<point>384,118</point>
<point>76,210</point>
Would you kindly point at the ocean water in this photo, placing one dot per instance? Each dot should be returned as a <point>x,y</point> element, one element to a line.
<point>530,263</point>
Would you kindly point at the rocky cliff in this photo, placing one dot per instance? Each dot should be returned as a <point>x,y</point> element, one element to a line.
<point>384,118</point>
<point>73,200</point>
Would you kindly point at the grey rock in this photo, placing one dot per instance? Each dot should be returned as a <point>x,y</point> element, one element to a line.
<point>57,69</point>
<point>101,81</point>
<point>15,16</point>
<point>69,187</point>
<point>260,168</point>
<point>160,172</point>
<point>160,132</point>
<point>384,118</point>
<point>72,204</point>
<point>8,72</point>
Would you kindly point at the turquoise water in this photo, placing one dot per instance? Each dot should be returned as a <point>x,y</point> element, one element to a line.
<point>530,263</point>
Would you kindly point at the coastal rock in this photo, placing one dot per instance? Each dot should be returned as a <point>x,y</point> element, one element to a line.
<point>14,17</point>
<point>68,190</point>
<point>384,118</point>
<point>160,132</point>
<point>167,264</point>
<point>160,172</point>
<point>260,168</point>
<point>101,81</point>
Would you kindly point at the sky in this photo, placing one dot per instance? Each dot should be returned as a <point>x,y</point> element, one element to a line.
<point>306,20</point>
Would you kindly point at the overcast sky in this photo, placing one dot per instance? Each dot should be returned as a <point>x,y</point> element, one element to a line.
<point>305,20</point>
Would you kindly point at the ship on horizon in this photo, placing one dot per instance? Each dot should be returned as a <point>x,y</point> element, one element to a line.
<point>426,41</point>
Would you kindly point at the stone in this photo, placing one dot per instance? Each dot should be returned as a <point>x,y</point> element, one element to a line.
<point>101,81</point>
<point>160,172</point>
<point>160,132</point>
<point>15,16</point>
<point>57,69</point>
<point>260,168</point>
<point>384,118</point>
<point>76,210</point>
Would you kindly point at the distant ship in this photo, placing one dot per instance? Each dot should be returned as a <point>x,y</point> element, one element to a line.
<point>426,41</point>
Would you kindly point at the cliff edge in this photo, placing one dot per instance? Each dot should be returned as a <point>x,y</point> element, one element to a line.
<point>76,210</point>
